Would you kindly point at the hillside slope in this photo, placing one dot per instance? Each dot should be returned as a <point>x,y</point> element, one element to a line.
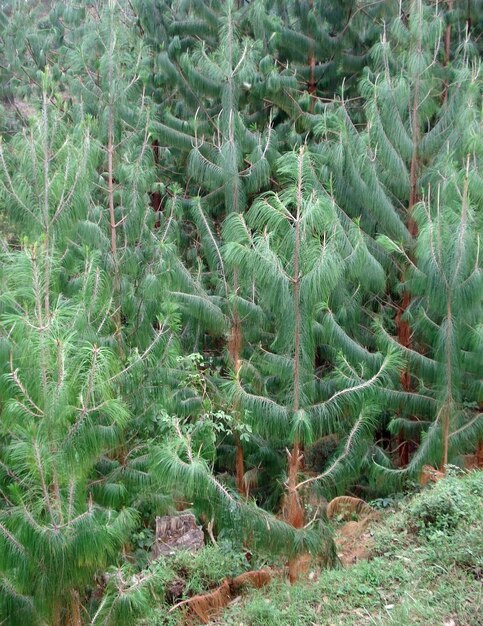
<point>424,566</point>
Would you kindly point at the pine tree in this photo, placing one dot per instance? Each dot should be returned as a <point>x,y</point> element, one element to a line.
<point>80,204</point>
<point>105,73</point>
<point>61,409</point>
<point>44,178</point>
<point>60,413</point>
<point>227,160</point>
<point>145,348</point>
<point>381,172</point>
<point>298,257</point>
<point>445,282</point>
<point>224,156</point>
<point>323,42</point>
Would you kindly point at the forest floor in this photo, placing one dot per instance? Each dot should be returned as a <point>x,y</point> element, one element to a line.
<point>419,561</point>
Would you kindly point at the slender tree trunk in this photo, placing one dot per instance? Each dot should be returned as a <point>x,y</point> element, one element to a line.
<point>447,409</point>
<point>110,192</point>
<point>479,455</point>
<point>294,508</point>
<point>234,347</point>
<point>48,243</point>
<point>403,327</point>
<point>445,437</point>
<point>449,401</point>
<point>312,84</point>
<point>57,614</point>
<point>46,202</point>
<point>233,204</point>
<point>74,618</point>
<point>479,448</point>
<point>110,186</point>
<point>240,467</point>
<point>404,338</point>
<point>447,51</point>
<point>155,196</point>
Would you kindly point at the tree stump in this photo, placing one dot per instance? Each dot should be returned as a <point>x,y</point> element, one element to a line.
<point>175,533</point>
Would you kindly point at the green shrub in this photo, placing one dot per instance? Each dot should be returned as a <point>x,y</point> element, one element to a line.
<point>208,567</point>
<point>199,572</point>
<point>448,503</point>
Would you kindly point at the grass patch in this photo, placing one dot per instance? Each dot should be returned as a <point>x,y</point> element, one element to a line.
<point>427,568</point>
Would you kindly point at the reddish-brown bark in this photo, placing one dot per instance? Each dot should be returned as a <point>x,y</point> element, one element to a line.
<point>155,196</point>
<point>402,325</point>
<point>293,509</point>
<point>234,347</point>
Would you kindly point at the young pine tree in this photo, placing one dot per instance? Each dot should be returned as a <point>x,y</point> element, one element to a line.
<point>445,282</point>
<point>60,413</point>
<point>417,108</point>
<point>293,247</point>
<point>227,161</point>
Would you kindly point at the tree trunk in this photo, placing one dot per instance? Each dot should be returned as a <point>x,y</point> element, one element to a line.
<point>404,338</point>
<point>110,192</point>
<point>294,511</point>
<point>74,618</point>
<point>479,455</point>
<point>240,467</point>
<point>293,508</point>
<point>449,400</point>
<point>312,84</point>
<point>155,196</point>
<point>403,327</point>
<point>447,52</point>
<point>57,614</point>
<point>234,348</point>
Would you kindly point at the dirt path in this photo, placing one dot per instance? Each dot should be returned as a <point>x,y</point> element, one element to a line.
<point>354,540</point>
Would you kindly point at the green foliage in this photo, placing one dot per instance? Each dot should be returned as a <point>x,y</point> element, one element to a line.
<point>410,579</point>
<point>449,503</point>
<point>318,453</point>
<point>228,230</point>
<point>208,567</point>
<point>60,413</point>
<point>194,574</point>
<point>45,173</point>
<point>182,467</point>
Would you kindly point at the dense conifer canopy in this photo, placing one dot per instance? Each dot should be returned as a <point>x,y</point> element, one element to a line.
<point>240,273</point>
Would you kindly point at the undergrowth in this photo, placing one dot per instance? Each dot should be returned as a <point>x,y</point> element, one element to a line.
<point>426,568</point>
